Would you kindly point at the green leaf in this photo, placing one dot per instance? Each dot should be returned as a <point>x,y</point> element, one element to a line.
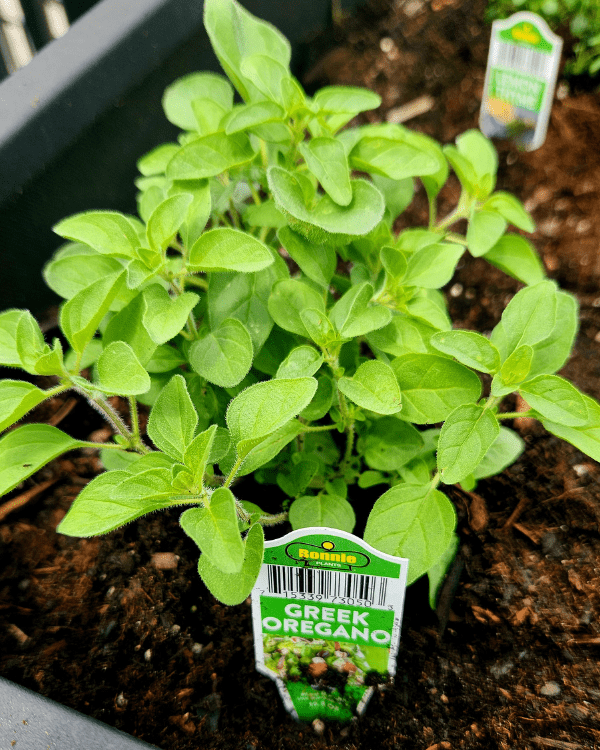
<point>527,319</point>
<point>513,371</point>
<point>318,326</point>
<point>90,354</point>
<point>469,348</point>
<point>503,452</point>
<point>430,311</point>
<point>198,454</point>
<point>267,448</point>
<point>403,335</point>
<point>390,444</point>
<point>226,249</point>
<point>223,356</point>
<point>555,399</point>
<point>120,371</point>
<point>210,155</point>
<point>511,209</point>
<point>165,221</point>
<point>70,274</point>
<point>234,34</point>
<point>243,296</point>
<point>299,477</point>
<point>30,342</point>
<point>467,434</point>
<point>214,529</point>
<point>165,316</point>
<point>433,266</point>
<point>351,315</point>
<point>413,522</point>
<point>16,399</point>
<point>322,400</point>
<point>432,386</point>
<point>301,362</point>
<point>234,588</point>
<point>398,194</point>
<point>95,511</point>
<point>25,450</point>
<point>264,407</point>
<point>155,161</point>
<point>266,73</point>
<point>344,100</point>
<point>108,232</point>
<point>550,354</point>
<point>516,256</point>
<point>393,158</point>
<point>9,354</point>
<point>362,214</point>
<point>179,96</point>
<point>331,511</point>
<point>248,116</point>
<point>373,386</point>
<point>173,419</point>
<point>326,160</point>
<point>484,231</point>
<point>127,325</point>
<point>264,215</point>
<point>463,168</point>
<point>316,262</point>
<point>586,438</point>
<point>81,315</point>
<point>288,299</point>
<point>480,152</point>
<point>437,573</point>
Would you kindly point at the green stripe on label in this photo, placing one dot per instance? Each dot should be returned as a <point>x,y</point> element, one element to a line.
<point>516,88</point>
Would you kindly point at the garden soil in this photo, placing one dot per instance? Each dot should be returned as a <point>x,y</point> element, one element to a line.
<point>121,628</point>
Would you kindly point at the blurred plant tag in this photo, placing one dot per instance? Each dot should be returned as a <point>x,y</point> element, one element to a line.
<point>520,80</point>
<point>327,610</point>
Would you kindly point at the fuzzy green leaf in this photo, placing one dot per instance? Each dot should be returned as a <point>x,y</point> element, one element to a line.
<point>165,316</point>
<point>390,444</point>
<point>179,96</point>
<point>209,156</point>
<point>301,362</point>
<point>327,161</point>
<point>226,249</point>
<point>214,528</point>
<point>503,452</point>
<point>166,220</point>
<point>555,399</point>
<point>289,299</point>
<point>25,450</point>
<point>316,262</point>
<point>586,437</point>
<point>120,371</point>
<point>223,356</point>
<point>470,348</point>
<point>331,511</point>
<point>467,434</point>
<point>173,419</point>
<point>433,386</point>
<point>484,230</point>
<point>516,256</point>
<point>16,399</point>
<point>511,209</point>
<point>433,266</point>
<point>416,522</point>
<point>373,386</point>
<point>234,588</point>
<point>108,232</point>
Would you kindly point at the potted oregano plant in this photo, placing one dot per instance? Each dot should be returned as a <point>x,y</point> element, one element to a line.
<point>264,309</point>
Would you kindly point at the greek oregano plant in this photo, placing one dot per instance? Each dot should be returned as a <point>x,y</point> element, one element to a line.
<point>264,309</point>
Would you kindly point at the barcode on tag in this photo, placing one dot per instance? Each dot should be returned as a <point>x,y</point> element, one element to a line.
<point>328,584</point>
<point>511,56</point>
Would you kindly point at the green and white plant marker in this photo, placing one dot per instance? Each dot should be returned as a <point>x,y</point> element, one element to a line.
<point>520,80</point>
<point>327,612</point>
<point>263,308</point>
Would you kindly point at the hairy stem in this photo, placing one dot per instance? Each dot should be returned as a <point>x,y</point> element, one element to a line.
<point>107,411</point>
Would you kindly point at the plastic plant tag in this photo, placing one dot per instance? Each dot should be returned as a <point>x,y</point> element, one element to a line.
<point>520,80</point>
<point>327,610</point>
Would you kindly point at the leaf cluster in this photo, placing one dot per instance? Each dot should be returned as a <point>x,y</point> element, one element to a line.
<point>263,308</point>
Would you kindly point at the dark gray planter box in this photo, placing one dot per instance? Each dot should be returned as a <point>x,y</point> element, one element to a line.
<point>72,125</point>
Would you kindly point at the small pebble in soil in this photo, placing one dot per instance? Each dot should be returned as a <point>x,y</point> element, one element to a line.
<point>121,700</point>
<point>164,560</point>
<point>318,727</point>
<point>148,655</point>
<point>550,689</point>
<point>175,629</point>
<point>456,290</point>
<point>581,470</point>
<point>197,648</point>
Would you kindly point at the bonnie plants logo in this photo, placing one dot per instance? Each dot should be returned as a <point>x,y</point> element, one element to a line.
<point>326,555</point>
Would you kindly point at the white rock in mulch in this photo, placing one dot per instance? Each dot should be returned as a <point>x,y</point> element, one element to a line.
<point>164,560</point>
<point>550,689</point>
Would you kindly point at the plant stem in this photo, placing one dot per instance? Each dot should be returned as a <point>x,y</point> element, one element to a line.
<point>272,520</point>
<point>138,443</point>
<point>255,195</point>
<point>515,414</point>
<point>233,472</point>
<point>318,428</point>
<point>196,281</point>
<point>107,412</point>
<point>432,211</point>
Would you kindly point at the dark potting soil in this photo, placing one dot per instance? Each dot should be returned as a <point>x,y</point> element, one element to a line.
<point>122,629</point>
